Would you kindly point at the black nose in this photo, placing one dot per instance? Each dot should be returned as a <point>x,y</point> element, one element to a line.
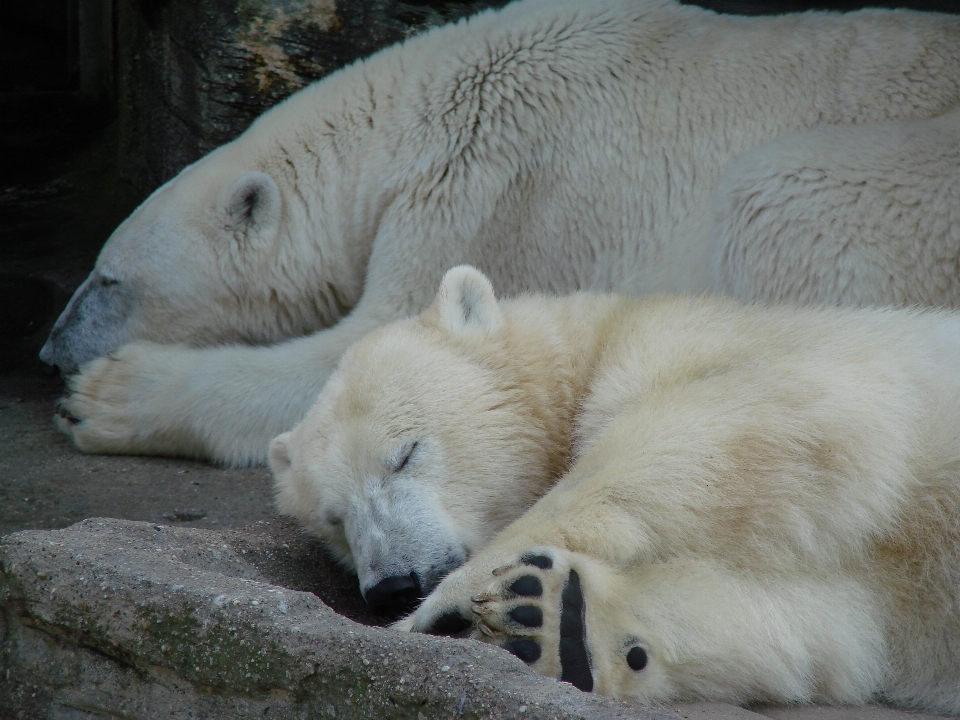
<point>395,593</point>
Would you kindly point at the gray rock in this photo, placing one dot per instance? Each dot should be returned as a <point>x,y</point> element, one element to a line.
<point>112,618</point>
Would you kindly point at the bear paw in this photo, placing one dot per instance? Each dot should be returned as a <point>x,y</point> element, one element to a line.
<point>111,403</point>
<point>539,609</point>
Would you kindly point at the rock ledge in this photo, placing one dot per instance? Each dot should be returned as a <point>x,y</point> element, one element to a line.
<point>112,618</point>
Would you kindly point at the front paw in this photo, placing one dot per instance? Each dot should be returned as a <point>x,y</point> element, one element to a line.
<point>536,611</point>
<point>111,401</point>
<point>557,611</point>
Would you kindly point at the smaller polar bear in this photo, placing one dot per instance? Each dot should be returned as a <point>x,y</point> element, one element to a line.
<point>660,499</point>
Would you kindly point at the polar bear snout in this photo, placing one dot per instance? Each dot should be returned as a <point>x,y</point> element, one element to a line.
<point>395,593</point>
<point>92,325</point>
<point>396,581</point>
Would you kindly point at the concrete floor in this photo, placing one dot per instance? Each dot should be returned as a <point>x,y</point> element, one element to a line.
<point>46,483</point>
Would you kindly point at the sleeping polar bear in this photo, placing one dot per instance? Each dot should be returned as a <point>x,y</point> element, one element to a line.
<point>641,146</point>
<point>660,499</point>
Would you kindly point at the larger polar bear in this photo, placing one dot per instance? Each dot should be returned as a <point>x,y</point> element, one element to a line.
<point>708,501</point>
<point>636,145</point>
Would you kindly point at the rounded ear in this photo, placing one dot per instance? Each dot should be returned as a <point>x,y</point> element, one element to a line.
<point>288,493</point>
<point>253,205</point>
<point>279,456</point>
<point>466,302</point>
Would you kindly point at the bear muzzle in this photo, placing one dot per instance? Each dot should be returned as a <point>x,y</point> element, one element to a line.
<point>395,594</point>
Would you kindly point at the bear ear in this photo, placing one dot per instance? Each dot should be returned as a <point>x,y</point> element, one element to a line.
<point>279,456</point>
<point>287,495</point>
<point>466,302</point>
<point>253,205</point>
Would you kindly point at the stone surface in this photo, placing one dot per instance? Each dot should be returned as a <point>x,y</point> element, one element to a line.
<point>46,483</point>
<point>112,618</point>
<point>713,711</point>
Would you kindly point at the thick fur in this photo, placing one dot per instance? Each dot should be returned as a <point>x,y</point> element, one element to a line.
<point>764,501</point>
<point>558,145</point>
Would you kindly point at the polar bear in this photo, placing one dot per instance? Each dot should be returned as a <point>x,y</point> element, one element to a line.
<point>662,499</point>
<point>558,145</point>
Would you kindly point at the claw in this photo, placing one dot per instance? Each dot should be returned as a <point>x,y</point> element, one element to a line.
<point>479,610</point>
<point>482,598</point>
<point>485,630</point>
<point>65,414</point>
<point>501,570</point>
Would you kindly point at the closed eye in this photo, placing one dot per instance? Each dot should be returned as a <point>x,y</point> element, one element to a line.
<point>406,453</point>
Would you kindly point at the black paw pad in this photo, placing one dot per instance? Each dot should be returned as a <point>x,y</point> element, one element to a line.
<point>540,561</point>
<point>526,650</point>
<point>450,623</point>
<point>527,615</point>
<point>527,586</point>
<point>637,658</point>
<point>574,657</point>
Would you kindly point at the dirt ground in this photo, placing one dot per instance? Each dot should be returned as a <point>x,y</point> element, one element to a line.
<point>47,483</point>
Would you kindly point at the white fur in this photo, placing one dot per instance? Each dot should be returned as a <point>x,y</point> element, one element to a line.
<point>555,144</point>
<point>767,500</point>
<point>836,215</point>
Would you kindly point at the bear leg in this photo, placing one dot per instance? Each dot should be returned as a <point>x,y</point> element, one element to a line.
<point>690,628</point>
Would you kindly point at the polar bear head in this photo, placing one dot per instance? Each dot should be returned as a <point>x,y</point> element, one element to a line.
<point>237,248</point>
<point>424,444</point>
<point>165,274</point>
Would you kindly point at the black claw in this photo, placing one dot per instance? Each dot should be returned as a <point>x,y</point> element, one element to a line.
<point>637,658</point>
<point>65,414</point>
<point>450,623</point>
<point>527,586</point>
<point>526,650</point>
<point>574,656</point>
<point>527,615</point>
<point>541,561</point>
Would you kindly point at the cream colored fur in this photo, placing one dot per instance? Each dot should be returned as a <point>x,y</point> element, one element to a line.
<point>766,500</point>
<point>558,145</point>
